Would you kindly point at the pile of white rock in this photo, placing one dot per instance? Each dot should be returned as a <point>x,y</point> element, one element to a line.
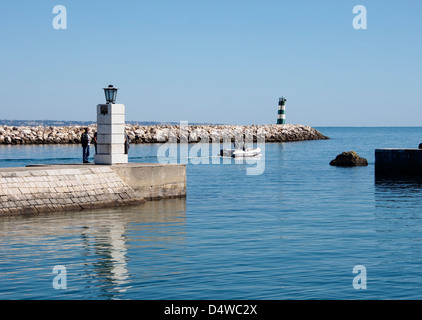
<point>40,135</point>
<point>164,133</point>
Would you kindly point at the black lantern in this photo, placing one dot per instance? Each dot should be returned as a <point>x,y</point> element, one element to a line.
<point>110,94</point>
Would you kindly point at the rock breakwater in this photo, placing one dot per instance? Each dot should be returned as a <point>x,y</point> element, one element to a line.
<point>163,133</point>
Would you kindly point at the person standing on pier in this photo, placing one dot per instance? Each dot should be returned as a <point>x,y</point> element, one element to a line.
<point>127,141</point>
<point>86,141</point>
<point>95,141</point>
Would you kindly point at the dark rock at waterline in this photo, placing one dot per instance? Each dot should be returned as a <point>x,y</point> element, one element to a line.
<point>349,159</point>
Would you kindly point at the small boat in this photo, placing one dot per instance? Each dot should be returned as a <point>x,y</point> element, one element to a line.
<point>240,153</point>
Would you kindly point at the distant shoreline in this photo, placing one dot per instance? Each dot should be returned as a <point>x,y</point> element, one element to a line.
<point>145,134</point>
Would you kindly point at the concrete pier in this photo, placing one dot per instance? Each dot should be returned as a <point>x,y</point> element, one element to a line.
<point>57,188</point>
<point>398,161</point>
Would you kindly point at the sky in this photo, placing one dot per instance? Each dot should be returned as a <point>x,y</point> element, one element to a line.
<point>214,61</point>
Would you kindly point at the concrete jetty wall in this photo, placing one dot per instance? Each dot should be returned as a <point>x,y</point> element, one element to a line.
<point>154,181</point>
<point>59,188</point>
<point>398,161</point>
<point>162,133</point>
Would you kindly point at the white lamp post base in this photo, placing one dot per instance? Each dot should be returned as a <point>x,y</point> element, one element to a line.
<point>110,134</point>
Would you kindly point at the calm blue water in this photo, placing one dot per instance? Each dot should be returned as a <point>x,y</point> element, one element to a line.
<point>294,232</point>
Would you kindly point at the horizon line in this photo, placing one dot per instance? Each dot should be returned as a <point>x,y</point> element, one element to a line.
<point>210,123</point>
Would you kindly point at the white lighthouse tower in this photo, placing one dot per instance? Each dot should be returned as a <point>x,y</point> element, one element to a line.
<point>110,130</point>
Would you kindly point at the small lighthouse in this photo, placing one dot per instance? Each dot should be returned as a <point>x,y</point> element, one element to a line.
<point>111,130</point>
<point>281,119</point>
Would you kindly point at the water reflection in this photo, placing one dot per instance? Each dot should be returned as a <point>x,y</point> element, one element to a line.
<point>398,213</point>
<point>398,204</point>
<point>399,192</point>
<point>397,189</point>
<point>108,245</point>
<point>103,250</point>
<point>392,180</point>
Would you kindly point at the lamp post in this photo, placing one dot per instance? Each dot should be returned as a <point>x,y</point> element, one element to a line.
<point>110,94</point>
<point>110,130</point>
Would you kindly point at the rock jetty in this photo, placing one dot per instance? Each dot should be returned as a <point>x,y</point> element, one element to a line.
<point>13,135</point>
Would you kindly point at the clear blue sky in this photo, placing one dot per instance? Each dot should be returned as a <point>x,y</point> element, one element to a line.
<point>225,61</point>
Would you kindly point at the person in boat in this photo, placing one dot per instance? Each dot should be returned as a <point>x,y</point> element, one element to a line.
<point>238,146</point>
<point>243,143</point>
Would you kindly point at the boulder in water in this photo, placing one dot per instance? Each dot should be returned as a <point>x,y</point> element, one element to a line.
<point>349,159</point>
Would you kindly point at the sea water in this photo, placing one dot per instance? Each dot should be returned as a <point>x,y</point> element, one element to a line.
<point>296,231</point>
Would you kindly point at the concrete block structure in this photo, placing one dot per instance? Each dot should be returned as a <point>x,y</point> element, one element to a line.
<point>398,161</point>
<point>110,134</point>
